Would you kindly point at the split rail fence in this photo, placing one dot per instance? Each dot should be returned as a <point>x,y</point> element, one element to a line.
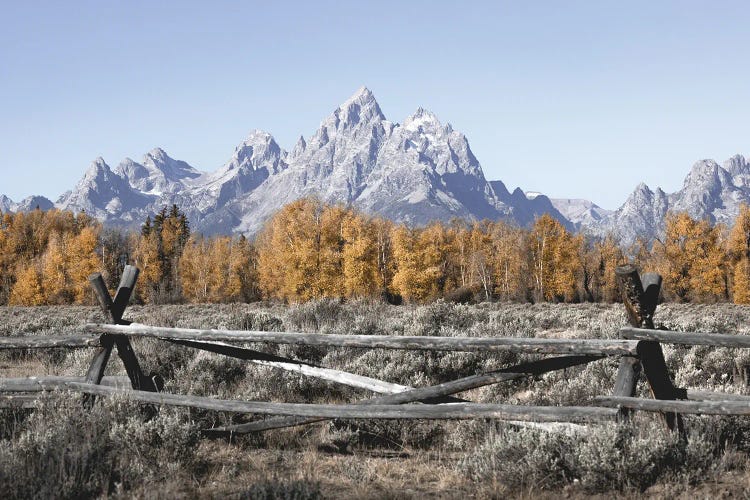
<point>639,351</point>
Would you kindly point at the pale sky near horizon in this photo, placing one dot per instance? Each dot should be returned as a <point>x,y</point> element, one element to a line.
<point>574,99</point>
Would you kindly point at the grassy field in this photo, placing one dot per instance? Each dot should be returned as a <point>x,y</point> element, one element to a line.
<point>119,449</point>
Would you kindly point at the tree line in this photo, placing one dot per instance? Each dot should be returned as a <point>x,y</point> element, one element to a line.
<point>311,250</point>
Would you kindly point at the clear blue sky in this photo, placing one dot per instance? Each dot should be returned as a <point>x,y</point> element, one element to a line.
<point>574,99</point>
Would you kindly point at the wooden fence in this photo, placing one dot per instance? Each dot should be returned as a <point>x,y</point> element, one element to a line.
<point>638,349</point>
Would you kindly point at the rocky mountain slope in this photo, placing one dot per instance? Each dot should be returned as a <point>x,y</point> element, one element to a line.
<point>709,191</point>
<point>25,205</point>
<point>414,172</point>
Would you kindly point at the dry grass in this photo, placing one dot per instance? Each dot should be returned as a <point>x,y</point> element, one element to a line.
<point>128,452</point>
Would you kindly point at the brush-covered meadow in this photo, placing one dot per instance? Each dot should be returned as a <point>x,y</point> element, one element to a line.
<point>119,448</point>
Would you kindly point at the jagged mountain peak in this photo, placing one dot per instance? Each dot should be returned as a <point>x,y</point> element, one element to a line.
<point>254,160</point>
<point>641,189</point>
<point>422,119</point>
<point>259,145</point>
<point>257,135</point>
<point>98,168</point>
<point>361,96</point>
<point>737,164</point>
<point>157,173</point>
<point>706,181</point>
<point>299,148</point>
<point>702,169</point>
<point>360,109</point>
<point>6,204</point>
<point>98,163</point>
<point>157,154</point>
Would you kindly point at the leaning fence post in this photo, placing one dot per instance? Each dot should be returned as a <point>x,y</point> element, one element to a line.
<point>113,310</point>
<point>640,298</point>
<point>632,294</point>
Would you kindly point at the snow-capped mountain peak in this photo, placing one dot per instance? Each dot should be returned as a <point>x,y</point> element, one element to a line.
<point>359,110</point>
<point>421,119</point>
<point>157,173</point>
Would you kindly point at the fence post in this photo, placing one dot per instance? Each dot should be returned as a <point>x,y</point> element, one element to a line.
<point>640,298</point>
<point>631,290</point>
<point>113,310</point>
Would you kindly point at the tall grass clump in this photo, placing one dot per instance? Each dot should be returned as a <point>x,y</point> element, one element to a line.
<point>64,451</point>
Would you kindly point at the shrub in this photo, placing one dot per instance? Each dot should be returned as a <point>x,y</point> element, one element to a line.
<point>94,452</point>
<point>598,459</point>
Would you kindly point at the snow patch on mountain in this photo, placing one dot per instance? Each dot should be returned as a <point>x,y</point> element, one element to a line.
<point>579,211</point>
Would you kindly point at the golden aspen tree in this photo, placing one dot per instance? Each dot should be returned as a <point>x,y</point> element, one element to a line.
<point>289,252</point>
<point>146,258</point>
<point>27,290</point>
<point>243,279</point>
<point>509,263</point>
<point>7,259</point>
<point>738,250</point>
<point>460,237</point>
<point>553,253</point>
<point>82,262</point>
<point>601,261</point>
<point>568,267</point>
<point>55,273</point>
<point>361,274</point>
<point>408,279</point>
<point>301,228</point>
<point>218,278</point>
<point>709,281</point>
<point>42,240</point>
<point>382,229</point>
<point>331,248</point>
<point>421,262</point>
<point>692,259</point>
<point>433,245</point>
<point>271,263</point>
<point>195,267</point>
<point>480,259</point>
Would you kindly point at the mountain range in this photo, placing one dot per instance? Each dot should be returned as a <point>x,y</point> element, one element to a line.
<point>413,172</point>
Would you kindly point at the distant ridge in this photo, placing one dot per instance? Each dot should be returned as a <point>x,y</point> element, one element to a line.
<point>414,172</point>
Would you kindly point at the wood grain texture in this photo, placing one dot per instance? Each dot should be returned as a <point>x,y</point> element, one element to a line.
<point>468,344</point>
<point>631,291</point>
<point>49,341</point>
<point>686,338</point>
<point>52,382</point>
<point>452,411</point>
<point>296,366</point>
<point>431,394</point>
<point>677,406</point>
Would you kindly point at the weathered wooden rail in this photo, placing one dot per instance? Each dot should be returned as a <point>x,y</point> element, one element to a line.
<point>638,348</point>
<point>464,344</point>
